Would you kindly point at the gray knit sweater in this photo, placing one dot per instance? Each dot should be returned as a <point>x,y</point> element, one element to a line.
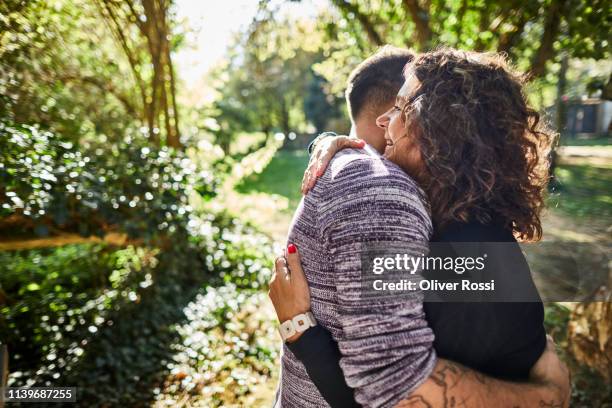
<point>386,345</point>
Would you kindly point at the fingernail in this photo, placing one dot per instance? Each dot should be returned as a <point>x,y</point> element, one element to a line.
<point>361,143</point>
<point>291,248</point>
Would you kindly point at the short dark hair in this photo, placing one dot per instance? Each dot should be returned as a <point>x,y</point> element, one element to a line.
<point>377,80</point>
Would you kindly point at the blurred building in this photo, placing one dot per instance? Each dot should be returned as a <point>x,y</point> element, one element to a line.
<point>587,117</point>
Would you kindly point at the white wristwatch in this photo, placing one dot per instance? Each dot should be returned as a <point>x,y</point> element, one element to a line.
<point>298,324</point>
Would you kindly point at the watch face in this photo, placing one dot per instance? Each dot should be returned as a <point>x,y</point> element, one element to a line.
<point>301,322</point>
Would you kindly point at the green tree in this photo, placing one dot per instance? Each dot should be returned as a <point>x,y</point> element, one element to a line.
<point>319,107</point>
<point>531,33</point>
<point>58,69</point>
<point>142,28</point>
<point>62,69</point>
<point>267,82</point>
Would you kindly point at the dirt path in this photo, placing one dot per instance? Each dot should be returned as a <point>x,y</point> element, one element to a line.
<point>559,226</point>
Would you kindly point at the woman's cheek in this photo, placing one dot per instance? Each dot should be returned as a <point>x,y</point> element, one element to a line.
<point>398,130</point>
<point>410,157</point>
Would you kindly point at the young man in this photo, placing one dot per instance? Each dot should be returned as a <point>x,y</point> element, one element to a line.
<point>386,345</point>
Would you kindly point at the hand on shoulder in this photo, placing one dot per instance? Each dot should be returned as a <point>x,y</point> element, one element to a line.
<point>324,150</point>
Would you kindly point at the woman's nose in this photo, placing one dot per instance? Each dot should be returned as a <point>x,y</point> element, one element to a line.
<point>382,120</point>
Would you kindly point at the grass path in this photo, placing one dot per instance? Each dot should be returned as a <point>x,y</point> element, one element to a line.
<point>268,198</point>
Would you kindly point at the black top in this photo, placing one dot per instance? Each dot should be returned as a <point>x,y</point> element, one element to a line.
<point>499,339</point>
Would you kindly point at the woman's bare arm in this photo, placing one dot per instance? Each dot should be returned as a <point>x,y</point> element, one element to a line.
<point>323,150</point>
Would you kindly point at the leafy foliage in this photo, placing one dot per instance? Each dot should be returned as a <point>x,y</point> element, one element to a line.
<point>532,33</point>
<point>58,68</point>
<point>108,321</point>
<point>267,83</point>
<point>49,185</point>
<point>57,298</point>
<point>102,318</point>
<point>228,348</point>
<point>88,67</point>
<point>536,35</point>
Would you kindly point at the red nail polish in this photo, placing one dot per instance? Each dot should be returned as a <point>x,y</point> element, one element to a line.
<point>291,248</point>
<point>362,143</point>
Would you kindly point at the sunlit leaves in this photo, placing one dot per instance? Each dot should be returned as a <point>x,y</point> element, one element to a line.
<point>57,296</point>
<point>130,187</point>
<point>228,348</point>
<point>60,68</point>
<point>514,27</point>
<point>106,320</point>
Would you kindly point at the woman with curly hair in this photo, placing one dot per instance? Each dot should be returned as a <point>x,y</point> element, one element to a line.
<point>462,128</point>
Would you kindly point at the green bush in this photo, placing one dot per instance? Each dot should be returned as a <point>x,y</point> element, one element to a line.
<point>48,185</point>
<point>56,299</point>
<point>94,316</point>
<point>236,252</point>
<point>108,320</point>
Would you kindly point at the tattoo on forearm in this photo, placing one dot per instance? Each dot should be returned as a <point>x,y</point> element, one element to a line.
<point>448,376</point>
<point>414,401</point>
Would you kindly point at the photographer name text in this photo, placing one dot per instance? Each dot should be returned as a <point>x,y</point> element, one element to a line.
<point>433,285</point>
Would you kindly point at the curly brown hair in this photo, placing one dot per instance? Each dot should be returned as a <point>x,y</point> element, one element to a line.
<point>485,151</point>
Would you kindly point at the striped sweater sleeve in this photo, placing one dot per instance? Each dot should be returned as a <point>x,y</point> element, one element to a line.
<point>386,345</point>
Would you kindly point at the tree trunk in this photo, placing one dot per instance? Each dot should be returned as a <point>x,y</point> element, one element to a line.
<point>149,29</point>
<point>590,336</point>
<point>225,145</point>
<point>284,117</point>
<point>266,127</point>
<point>509,39</point>
<point>606,92</point>
<point>159,94</point>
<point>420,17</point>
<point>110,16</point>
<point>560,116</point>
<point>483,25</point>
<point>460,15</point>
<point>4,370</point>
<point>175,142</point>
<point>546,50</point>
